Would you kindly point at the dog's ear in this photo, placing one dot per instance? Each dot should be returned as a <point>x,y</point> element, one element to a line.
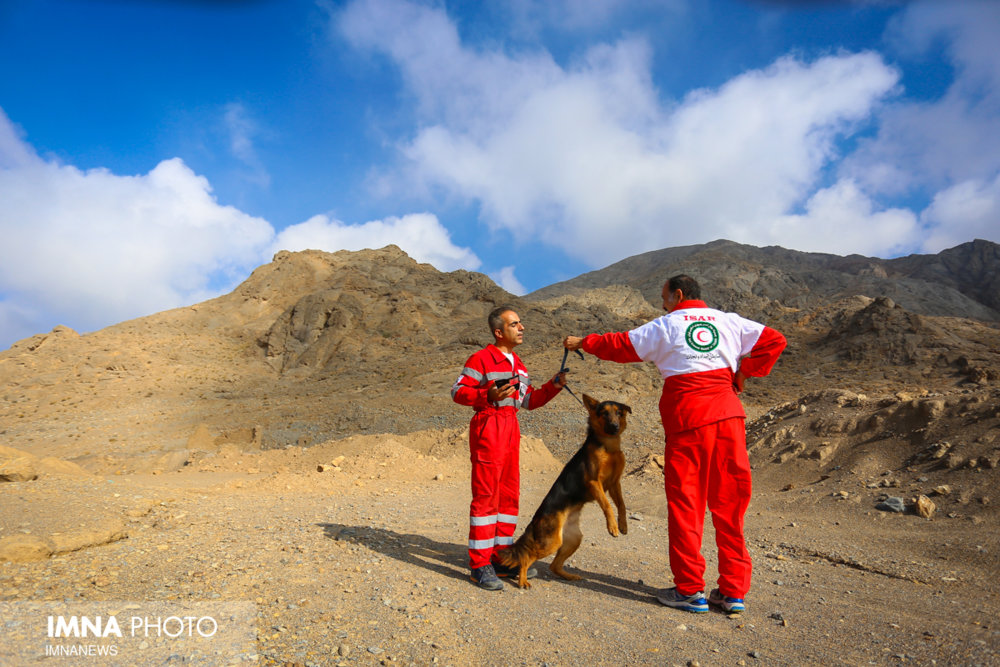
<point>624,408</point>
<point>589,403</point>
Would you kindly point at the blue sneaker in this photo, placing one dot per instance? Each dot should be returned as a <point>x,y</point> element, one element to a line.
<point>726,603</point>
<point>485,577</point>
<point>696,604</point>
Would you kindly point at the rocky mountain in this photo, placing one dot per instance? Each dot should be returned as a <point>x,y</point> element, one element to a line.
<point>318,469</point>
<point>963,281</point>
<point>310,346</point>
<point>317,345</point>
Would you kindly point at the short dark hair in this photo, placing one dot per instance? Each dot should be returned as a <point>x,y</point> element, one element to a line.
<point>686,284</point>
<point>495,318</point>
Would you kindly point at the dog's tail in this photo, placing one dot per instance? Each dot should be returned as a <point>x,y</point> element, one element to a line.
<point>518,553</point>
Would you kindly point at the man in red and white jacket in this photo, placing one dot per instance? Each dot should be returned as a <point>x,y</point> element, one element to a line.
<point>496,384</point>
<point>704,356</point>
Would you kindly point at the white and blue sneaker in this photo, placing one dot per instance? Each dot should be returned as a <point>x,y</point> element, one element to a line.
<point>726,603</point>
<point>696,604</point>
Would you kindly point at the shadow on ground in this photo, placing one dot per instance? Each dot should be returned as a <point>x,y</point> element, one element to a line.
<point>450,560</point>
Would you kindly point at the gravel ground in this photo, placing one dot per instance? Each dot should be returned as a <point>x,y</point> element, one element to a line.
<point>368,566</point>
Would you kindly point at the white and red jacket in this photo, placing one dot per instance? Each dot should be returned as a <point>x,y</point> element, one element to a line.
<point>698,350</point>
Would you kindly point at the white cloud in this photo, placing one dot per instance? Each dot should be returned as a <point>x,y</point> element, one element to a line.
<point>939,142</point>
<point>532,16</point>
<point>94,247</point>
<point>967,211</point>
<point>589,157</point>
<point>421,235</point>
<point>14,152</point>
<point>90,248</point>
<point>950,144</point>
<point>506,279</point>
<point>242,131</point>
<point>466,88</point>
<point>842,220</point>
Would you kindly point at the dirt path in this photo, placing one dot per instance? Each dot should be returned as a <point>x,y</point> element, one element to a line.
<point>367,566</point>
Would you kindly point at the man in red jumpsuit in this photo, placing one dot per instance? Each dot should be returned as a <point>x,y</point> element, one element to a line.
<point>496,384</point>
<point>704,356</point>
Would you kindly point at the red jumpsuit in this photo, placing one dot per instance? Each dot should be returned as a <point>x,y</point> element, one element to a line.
<point>698,351</point>
<point>494,447</point>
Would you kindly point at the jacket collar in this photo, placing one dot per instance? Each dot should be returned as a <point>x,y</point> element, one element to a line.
<point>690,303</point>
<point>497,353</point>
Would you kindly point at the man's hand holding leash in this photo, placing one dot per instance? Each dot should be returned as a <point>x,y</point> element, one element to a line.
<point>561,375</point>
<point>559,379</point>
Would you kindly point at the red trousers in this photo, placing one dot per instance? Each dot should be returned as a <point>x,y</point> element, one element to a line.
<point>708,466</point>
<point>494,447</point>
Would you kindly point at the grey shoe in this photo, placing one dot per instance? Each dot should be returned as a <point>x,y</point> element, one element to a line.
<point>696,603</point>
<point>514,572</point>
<point>486,577</point>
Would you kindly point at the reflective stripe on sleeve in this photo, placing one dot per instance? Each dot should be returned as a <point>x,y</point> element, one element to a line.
<point>470,373</point>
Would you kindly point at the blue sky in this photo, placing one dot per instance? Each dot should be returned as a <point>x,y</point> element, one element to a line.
<point>153,153</point>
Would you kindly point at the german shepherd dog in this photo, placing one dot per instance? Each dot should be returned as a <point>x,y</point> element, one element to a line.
<point>597,467</point>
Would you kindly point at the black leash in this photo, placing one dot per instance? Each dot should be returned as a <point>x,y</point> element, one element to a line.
<point>564,369</point>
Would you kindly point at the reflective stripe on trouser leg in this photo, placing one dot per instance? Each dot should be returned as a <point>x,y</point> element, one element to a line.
<point>482,533</point>
<point>729,489</point>
<point>494,438</point>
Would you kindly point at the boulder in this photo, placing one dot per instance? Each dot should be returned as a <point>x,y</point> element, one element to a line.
<point>20,469</point>
<point>892,504</point>
<point>925,507</point>
<point>105,532</point>
<point>25,548</point>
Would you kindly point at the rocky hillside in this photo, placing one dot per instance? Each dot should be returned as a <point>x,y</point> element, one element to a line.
<point>278,447</point>
<point>310,346</point>
<point>315,345</point>
<point>960,282</point>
